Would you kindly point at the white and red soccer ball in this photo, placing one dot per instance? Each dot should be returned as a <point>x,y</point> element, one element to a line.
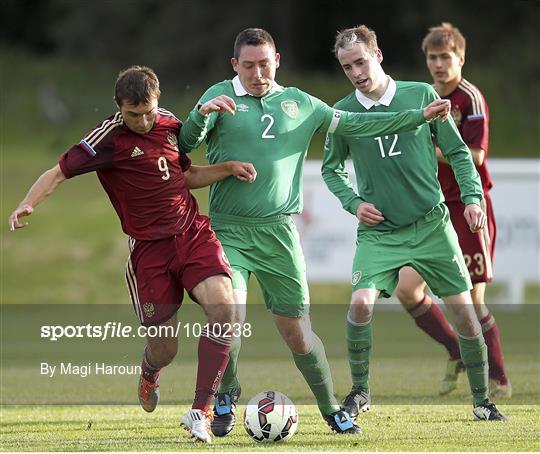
<point>270,416</point>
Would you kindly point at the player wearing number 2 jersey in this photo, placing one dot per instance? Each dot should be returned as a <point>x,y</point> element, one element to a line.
<point>172,247</point>
<point>272,127</point>
<point>403,220</point>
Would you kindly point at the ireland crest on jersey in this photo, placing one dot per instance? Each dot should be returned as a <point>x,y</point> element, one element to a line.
<point>290,107</point>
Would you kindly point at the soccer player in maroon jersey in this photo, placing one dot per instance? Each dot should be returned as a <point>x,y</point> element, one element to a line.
<point>172,247</point>
<point>444,47</point>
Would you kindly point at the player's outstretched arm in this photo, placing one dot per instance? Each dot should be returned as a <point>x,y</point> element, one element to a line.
<point>40,190</point>
<point>475,217</point>
<point>440,108</point>
<point>202,176</point>
<point>371,124</point>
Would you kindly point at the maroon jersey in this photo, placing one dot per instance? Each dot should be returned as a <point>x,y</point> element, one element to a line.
<point>471,114</point>
<point>142,175</point>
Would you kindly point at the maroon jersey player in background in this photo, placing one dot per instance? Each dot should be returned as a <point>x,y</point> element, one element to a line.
<point>444,47</point>
<point>172,247</point>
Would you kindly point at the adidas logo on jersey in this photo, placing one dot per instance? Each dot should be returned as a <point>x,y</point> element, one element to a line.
<point>242,108</point>
<point>136,152</point>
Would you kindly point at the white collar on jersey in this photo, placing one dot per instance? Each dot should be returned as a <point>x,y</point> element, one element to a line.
<point>385,99</point>
<point>239,89</point>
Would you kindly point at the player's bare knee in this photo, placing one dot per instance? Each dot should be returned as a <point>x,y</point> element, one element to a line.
<point>221,313</point>
<point>468,329</point>
<point>361,308</point>
<point>407,297</point>
<point>466,322</point>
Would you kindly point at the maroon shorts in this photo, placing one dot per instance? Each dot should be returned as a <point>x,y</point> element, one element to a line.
<point>157,272</point>
<point>478,248</point>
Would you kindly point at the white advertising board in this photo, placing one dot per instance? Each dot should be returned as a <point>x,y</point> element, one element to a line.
<point>328,233</point>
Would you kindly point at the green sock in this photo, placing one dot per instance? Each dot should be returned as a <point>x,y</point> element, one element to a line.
<point>316,371</point>
<point>359,341</point>
<point>229,380</point>
<point>474,356</point>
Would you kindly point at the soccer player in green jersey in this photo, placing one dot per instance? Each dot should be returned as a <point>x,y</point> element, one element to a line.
<point>272,127</point>
<point>403,220</point>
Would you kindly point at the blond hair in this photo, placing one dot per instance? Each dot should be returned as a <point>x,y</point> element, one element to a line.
<point>358,34</point>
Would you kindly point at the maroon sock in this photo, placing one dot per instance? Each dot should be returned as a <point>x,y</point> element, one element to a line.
<point>431,319</point>
<point>495,354</point>
<point>148,371</point>
<point>213,358</point>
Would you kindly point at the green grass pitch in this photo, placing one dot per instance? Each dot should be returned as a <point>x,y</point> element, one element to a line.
<point>386,428</point>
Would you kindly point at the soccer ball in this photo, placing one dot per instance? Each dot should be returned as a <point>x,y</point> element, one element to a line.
<point>270,416</point>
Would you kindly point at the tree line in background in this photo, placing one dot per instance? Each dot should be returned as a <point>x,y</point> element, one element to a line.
<point>188,38</point>
<point>189,43</point>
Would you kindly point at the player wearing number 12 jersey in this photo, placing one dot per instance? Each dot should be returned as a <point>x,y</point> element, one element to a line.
<point>272,127</point>
<point>403,220</point>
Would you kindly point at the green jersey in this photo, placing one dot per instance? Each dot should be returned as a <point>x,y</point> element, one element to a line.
<point>398,172</point>
<point>273,132</point>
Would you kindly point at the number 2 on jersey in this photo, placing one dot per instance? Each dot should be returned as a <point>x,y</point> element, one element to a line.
<point>265,134</point>
<point>162,165</point>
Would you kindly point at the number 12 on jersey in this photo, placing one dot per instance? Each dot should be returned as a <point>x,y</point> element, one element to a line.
<point>391,151</point>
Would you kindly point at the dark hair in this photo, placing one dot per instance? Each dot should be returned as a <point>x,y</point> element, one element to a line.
<point>445,35</point>
<point>136,85</point>
<point>252,37</point>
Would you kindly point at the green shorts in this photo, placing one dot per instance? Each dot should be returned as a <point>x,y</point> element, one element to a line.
<point>270,249</point>
<point>429,245</point>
